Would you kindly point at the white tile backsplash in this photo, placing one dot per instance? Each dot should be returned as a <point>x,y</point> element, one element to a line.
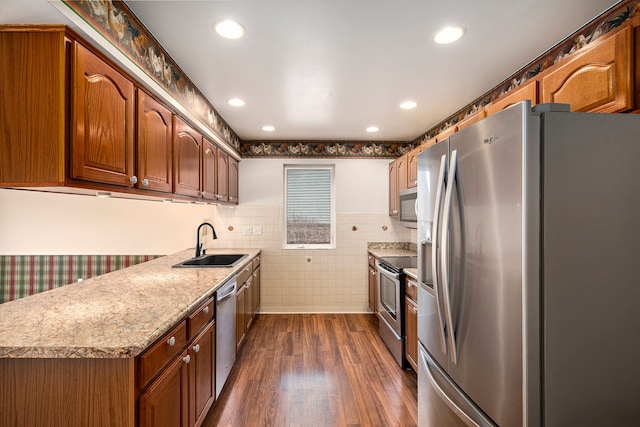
<point>336,280</point>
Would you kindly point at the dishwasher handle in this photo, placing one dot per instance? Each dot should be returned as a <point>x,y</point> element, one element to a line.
<point>227,291</point>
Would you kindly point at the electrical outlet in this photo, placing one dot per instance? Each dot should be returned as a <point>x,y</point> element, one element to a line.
<point>247,231</point>
<point>257,230</point>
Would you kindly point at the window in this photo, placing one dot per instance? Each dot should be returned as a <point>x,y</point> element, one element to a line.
<point>309,207</point>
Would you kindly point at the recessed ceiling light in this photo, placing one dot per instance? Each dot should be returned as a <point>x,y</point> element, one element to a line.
<point>268,128</point>
<point>408,105</point>
<point>373,129</point>
<point>229,29</point>
<point>236,102</point>
<point>448,35</point>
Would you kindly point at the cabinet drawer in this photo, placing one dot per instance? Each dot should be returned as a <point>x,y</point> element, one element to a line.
<point>200,318</point>
<point>256,262</point>
<point>244,274</point>
<point>154,359</point>
<point>411,289</point>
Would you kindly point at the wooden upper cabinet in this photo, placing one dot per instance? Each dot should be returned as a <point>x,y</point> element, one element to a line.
<point>33,118</point>
<point>412,161</point>
<point>393,189</point>
<point>154,144</point>
<point>223,175</point>
<point>209,170</point>
<point>186,159</point>
<point>446,133</point>
<point>102,122</point>
<point>403,172</point>
<point>473,118</point>
<point>598,79</point>
<point>234,174</point>
<point>527,91</point>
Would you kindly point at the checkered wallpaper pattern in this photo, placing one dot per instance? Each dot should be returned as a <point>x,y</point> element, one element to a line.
<point>25,275</point>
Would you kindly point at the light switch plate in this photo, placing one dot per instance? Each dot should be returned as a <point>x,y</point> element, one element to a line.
<point>247,230</point>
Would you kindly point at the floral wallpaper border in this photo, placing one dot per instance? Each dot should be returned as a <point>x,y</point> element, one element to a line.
<point>581,38</point>
<point>114,20</point>
<point>301,148</point>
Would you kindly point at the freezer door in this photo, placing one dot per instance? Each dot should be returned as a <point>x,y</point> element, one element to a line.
<point>483,257</point>
<point>440,403</point>
<point>432,171</point>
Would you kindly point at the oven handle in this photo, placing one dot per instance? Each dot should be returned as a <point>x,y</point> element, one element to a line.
<point>434,251</point>
<point>384,270</point>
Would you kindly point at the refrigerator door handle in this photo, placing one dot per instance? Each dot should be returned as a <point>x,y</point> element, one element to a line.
<point>434,252</point>
<point>444,247</point>
<point>446,399</point>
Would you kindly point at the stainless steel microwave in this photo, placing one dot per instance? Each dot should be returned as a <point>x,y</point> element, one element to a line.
<point>409,208</point>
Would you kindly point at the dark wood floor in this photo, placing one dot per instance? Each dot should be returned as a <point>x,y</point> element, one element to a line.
<point>316,370</point>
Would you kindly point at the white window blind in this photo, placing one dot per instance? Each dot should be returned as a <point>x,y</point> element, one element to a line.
<point>309,207</point>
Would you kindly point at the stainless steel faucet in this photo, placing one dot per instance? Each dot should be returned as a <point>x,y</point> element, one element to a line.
<point>199,250</point>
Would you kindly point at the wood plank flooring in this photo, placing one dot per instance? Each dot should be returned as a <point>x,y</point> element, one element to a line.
<point>316,370</point>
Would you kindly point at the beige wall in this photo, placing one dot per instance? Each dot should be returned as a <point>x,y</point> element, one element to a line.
<point>333,281</point>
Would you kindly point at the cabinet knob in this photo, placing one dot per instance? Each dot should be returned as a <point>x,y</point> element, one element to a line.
<point>186,359</point>
<point>202,193</point>
<point>133,179</point>
<point>145,182</point>
<point>196,348</point>
<point>171,341</point>
<point>205,310</point>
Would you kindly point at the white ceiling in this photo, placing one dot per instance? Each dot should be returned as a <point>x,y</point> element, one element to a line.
<point>327,69</point>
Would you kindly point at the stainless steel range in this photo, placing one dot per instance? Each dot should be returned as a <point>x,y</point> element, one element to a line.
<point>391,302</point>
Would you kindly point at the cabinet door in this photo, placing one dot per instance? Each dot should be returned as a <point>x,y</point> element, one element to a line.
<point>223,175</point>
<point>234,173</point>
<point>164,403</point>
<point>154,145</point>
<point>411,331</point>
<point>600,79</point>
<point>255,298</point>
<point>186,159</point>
<point>102,128</point>
<point>373,289</point>
<point>209,170</point>
<point>412,165</point>
<point>402,169</point>
<point>525,92</point>
<point>202,389</point>
<point>393,189</point>
<point>240,324</point>
<point>248,304</point>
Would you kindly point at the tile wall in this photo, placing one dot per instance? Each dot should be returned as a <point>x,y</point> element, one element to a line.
<point>332,281</point>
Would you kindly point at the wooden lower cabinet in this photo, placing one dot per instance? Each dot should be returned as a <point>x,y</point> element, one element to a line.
<point>202,385</point>
<point>411,331</point>
<point>373,284</point>
<point>165,402</point>
<point>247,300</point>
<point>240,308</point>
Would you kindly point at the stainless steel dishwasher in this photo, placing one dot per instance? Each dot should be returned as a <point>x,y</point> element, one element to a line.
<point>225,332</point>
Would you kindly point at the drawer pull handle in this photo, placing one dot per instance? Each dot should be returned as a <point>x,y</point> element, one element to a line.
<point>186,359</point>
<point>171,341</point>
<point>196,348</point>
<point>205,310</point>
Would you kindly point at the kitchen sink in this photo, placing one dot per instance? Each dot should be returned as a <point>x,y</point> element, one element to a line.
<point>212,260</point>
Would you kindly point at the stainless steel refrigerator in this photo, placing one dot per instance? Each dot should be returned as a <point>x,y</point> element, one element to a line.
<point>529,263</point>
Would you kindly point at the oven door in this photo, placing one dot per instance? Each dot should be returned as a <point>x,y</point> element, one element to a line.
<point>389,303</point>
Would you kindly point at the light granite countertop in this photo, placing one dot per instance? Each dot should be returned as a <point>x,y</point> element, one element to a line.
<point>114,315</point>
<point>383,249</point>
